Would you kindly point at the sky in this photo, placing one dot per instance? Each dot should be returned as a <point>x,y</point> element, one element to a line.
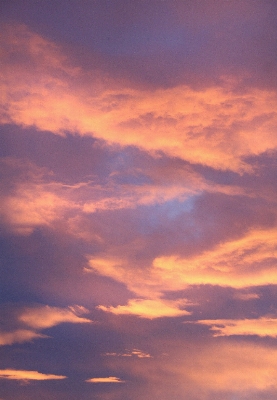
<point>138,199</point>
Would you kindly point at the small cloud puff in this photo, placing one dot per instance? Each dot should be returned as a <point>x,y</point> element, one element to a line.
<point>109,379</point>
<point>27,375</point>
<point>135,352</point>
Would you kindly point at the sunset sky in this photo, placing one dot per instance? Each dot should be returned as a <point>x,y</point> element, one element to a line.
<point>138,147</point>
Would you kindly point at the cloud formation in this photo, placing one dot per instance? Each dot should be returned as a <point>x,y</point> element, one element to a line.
<point>148,308</point>
<point>19,336</point>
<point>138,175</point>
<point>109,379</point>
<point>36,318</point>
<point>212,127</point>
<point>135,352</point>
<point>262,327</point>
<point>244,262</point>
<point>45,316</point>
<point>22,375</point>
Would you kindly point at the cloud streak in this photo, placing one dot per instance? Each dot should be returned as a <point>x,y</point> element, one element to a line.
<point>262,327</point>
<point>26,376</point>
<point>212,127</point>
<point>37,318</point>
<point>109,379</point>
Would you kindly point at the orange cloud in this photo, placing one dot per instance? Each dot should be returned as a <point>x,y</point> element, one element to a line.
<point>19,336</point>
<point>39,318</point>
<point>261,326</point>
<point>27,375</point>
<point>150,304</point>
<point>148,308</point>
<point>34,202</point>
<point>109,379</point>
<point>244,262</point>
<point>45,317</point>
<point>213,127</point>
<point>239,263</point>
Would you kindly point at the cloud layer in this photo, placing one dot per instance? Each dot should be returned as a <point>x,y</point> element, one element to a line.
<point>138,220</point>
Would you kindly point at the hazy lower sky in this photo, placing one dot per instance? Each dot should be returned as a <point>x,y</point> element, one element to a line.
<point>138,147</point>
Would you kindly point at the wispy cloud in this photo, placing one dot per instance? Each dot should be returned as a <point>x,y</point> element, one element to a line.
<point>45,316</point>
<point>19,336</point>
<point>132,353</point>
<point>36,318</point>
<point>212,127</point>
<point>238,263</point>
<point>244,262</point>
<point>264,326</point>
<point>109,379</point>
<point>23,375</point>
<point>148,308</point>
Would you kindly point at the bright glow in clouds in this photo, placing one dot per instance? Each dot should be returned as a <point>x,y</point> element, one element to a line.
<point>45,317</point>
<point>260,326</point>
<point>27,375</point>
<point>19,336</point>
<point>138,180</point>
<point>39,318</point>
<point>244,262</point>
<point>248,261</point>
<point>149,308</point>
<point>109,379</point>
<point>178,121</point>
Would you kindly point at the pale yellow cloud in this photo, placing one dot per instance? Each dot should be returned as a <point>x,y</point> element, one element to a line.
<point>212,127</point>
<point>23,375</point>
<point>239,263</point>
<point>244,262</point>
<point>263,326</point>
<point>149,308</point>
<point>43,317</point>
<point>31,206</point>
<point>150,304</point>
<point>109,379</point>
<point>19,336</point>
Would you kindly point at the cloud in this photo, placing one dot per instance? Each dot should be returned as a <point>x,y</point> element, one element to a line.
<point>213,127</point>
<point>244,262</point>
<point>35,198</point>
<point>151,304</point>
<point>110,379</point>
<point>262,327</point>
<point>246,296</point>
<point>148,308</point>
<point>222,370</point>
<point>45,316</point>
<point>37,318</point>
<point>203,370</point>
<point>27,375</point>
<point>135,352</point>
<point>19,336</point>
<point>239,263</point>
